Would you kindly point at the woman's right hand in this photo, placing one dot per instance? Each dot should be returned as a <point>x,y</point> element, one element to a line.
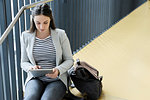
<point>36,67</point>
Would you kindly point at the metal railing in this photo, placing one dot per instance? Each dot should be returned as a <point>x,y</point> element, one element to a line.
<point>9,28</point>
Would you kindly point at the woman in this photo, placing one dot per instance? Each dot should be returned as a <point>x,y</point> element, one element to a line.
<point>45,46</point>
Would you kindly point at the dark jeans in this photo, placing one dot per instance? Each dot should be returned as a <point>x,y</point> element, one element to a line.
<point>38,90</point>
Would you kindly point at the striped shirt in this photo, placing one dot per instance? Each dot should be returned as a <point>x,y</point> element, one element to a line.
<point>44,54</point>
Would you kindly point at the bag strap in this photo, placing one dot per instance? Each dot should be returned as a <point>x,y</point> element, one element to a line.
<point>69,95</point>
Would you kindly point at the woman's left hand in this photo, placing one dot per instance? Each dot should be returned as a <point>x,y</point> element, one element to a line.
<point>54,74</point>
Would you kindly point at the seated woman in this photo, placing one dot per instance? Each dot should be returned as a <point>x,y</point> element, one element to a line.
<point>45,46</point>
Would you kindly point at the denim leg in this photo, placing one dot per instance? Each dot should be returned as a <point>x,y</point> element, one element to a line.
<point>54,91</point>
<point>34,90</point>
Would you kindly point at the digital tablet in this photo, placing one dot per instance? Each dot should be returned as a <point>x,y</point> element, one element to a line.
<point>40,72</point>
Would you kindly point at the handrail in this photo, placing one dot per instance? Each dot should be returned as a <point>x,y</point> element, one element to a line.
<point>11,25</point>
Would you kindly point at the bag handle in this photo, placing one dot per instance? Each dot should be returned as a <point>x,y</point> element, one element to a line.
<point>78,61</point>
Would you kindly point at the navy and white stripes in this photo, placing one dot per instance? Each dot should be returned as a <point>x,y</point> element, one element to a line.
<point>44,52</point>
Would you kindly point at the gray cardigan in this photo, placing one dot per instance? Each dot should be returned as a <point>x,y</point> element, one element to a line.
<point>64,59</point>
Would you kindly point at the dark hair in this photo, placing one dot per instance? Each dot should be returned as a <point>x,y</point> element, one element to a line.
<point>42,9</point>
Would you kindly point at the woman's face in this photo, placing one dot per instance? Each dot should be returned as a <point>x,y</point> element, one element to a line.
<point>42,23</point>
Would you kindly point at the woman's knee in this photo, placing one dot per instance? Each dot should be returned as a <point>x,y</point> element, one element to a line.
<point>33,90</point>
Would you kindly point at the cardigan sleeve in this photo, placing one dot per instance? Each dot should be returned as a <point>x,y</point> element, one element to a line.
<point>25,63</point>
<point>66,54</point>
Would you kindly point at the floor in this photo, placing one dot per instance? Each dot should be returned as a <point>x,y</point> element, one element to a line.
<point>122,55</point>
